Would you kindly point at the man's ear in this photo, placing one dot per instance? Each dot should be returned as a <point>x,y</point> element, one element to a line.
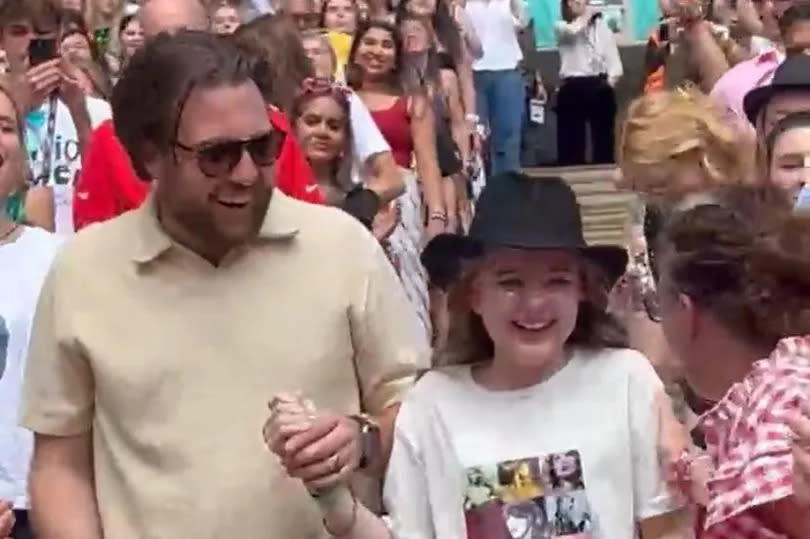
<point>151,162</point>
<point>691,315</point>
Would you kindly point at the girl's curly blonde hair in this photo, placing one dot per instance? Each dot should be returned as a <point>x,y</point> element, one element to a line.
<point>663,126</point>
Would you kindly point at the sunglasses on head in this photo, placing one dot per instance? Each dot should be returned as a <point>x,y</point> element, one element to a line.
<point>218,159</point>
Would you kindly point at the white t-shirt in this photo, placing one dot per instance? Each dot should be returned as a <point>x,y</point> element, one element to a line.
<point>23,266</point>
<point>576,454</point>
<point>588,50</point>
<point>66,161</point>
<point>367,140</point>
<point>496,27</point>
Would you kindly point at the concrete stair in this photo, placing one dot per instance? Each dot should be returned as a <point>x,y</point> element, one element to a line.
<point>606,211</point>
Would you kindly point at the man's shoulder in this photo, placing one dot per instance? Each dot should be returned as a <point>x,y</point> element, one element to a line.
<point>324,224</point>
<point>105,242</point>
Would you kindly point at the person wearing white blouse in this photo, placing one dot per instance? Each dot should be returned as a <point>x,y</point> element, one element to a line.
<point>499,86</point>
<point>590,66</point>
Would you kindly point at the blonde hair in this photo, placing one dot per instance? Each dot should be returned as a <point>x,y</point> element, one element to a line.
<point>666,125</point>
<point>93,18</point>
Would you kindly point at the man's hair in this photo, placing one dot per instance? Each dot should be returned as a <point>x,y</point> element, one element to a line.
<point>42,14</point>
<point>149,98</point>
<point>798,12</point>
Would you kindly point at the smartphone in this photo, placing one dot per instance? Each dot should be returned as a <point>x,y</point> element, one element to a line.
<point>42,50</point>
<point>663,32</point>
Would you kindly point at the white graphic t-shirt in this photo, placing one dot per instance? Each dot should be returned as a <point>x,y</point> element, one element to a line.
<point>66,161</point>
<point>575,456</point>
<point>23,266</point>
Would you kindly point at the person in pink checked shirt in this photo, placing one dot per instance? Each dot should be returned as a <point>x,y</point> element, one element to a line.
<point>801,456</point>
<point>735,269</point>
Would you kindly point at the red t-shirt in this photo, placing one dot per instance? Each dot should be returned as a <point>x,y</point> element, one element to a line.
<point>108,185</point>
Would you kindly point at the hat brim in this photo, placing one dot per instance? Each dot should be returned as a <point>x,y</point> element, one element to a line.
<point>756,99</point>
<point>445,254</point>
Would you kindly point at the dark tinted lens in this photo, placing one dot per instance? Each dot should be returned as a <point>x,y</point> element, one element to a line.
<point>19,30</point>
<point>264,150</point>
<point>219,159</point>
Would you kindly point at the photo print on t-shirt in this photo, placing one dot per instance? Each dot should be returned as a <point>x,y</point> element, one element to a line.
<point>531,498</point>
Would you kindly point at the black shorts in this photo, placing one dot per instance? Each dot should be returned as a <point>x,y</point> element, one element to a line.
<point>447,153</point>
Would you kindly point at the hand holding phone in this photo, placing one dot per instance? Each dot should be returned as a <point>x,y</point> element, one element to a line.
<point>41,50</point>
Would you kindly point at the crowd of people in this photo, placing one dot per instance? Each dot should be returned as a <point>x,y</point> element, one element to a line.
<point>273,270</point>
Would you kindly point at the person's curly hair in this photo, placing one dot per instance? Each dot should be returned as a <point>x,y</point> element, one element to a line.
<point>148,101</point>
<point>745,258</point>
<point>665,125</point>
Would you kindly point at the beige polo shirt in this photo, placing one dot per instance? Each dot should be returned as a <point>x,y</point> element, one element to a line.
<point>171,362</point>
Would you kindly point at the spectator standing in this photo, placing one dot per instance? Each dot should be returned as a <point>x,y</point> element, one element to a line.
<point>26,254</point>
<point>58,124</point>
<point>406,121</point>
<point>787,153</point>
<point>118,453</point>
<point>499,87</point>
<point>590,67</point>
<point>225,18</point>
<point>107,184</point>
<point>339,18</point>
<point>732,88</point>
<point>520,360</point>
<point>102,18</point>
<point>731,269</point>
<point>127,39</point>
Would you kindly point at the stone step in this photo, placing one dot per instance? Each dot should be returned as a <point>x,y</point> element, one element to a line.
<point>606,211</point>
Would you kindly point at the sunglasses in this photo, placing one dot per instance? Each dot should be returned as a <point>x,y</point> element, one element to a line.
<point>220,158</point>
<point>19,30</point>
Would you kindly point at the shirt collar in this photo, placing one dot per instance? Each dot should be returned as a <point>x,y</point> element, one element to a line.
<point>279,224</point>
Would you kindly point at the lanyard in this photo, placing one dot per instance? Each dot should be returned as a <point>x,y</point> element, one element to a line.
<point>48,142</point>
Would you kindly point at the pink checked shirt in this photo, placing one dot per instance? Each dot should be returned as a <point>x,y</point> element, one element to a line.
<point>749,442</point>
<point>731,88</point>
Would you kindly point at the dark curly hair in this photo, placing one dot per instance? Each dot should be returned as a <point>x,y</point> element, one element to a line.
<point>148,101</point>
<point>745,258</point>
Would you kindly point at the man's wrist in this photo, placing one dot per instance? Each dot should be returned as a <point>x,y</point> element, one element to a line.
<point>369,439</point>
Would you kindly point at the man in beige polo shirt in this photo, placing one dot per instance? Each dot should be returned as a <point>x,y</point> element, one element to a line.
<point>161,334</point>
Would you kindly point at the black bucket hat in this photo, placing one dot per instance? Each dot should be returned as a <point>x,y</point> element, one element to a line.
<point>526,213</point>
<point>792,74</point>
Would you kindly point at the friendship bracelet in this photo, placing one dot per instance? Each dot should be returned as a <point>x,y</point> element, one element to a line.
<point>352,522</point>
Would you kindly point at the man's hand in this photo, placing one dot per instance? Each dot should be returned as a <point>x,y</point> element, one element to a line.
<point>321,449</point>
<point>801,459</point>
<point>326,454</point>
<point>42,81</point>
<point>6,519</point>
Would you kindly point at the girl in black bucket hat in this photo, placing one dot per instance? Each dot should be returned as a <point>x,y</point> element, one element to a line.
<point>538,423</point>
<point>541,424</point>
